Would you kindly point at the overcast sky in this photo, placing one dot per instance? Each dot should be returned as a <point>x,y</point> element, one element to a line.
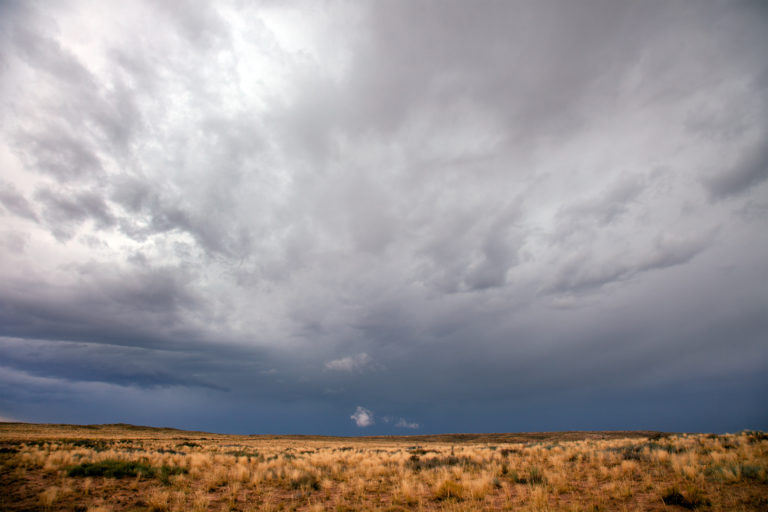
<point>385,217</point>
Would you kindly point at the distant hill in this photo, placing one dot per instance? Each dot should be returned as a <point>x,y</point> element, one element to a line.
<point>10,430</point>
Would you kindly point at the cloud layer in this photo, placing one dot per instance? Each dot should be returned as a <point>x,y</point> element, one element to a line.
<point>476,219</point>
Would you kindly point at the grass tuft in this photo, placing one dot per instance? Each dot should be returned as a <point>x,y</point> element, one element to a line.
<point>449,490</point>
<point>534,477</point>
<point>306,481</point>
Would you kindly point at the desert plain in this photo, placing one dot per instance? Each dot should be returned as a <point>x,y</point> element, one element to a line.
<point>100,468</point>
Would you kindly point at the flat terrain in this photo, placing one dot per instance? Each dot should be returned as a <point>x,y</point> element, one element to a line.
<point>129,468</point>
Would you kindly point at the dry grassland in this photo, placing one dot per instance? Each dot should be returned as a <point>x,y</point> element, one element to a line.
<point>126,468</point>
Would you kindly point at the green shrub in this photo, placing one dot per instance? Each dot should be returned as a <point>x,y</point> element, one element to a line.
<point>741,471</point>
<point>112,469</point>
<point>420,451</point>
<point>122,469</point>
<point>695,498</point>
<point>417,464</point>
<point>752,472</point>
<point>634,451</point>
<point>756,436</point>
<point>92,444</point>
<point>244,453</point>
<point>165,472</point>
<point>188,444</point>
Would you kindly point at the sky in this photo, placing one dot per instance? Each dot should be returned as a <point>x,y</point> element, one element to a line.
<point>385,217</point>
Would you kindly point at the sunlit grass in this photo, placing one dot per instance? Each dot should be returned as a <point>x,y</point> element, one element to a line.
<point>127,469</point>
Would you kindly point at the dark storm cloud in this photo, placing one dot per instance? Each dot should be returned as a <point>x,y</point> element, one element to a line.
<point>430,212</point>
<point>134,307</point>
<point>125,366</point>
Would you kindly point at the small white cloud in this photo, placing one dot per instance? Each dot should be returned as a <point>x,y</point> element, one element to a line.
<point>350,363</point>
<point>362,417</point>
<point>403,423</point>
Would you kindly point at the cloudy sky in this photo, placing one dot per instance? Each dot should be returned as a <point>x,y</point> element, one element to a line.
<point>345,217</point>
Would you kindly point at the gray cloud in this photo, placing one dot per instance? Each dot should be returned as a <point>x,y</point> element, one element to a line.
<point>403,423</point>
<point>430,209</point>
<point>64,210</point>
<point>584,273</point>
<point>749,172</point>
<point>14,202</point>
<point>59,153</point>
<point>350,363</point>
<point>604,208</point>
<point>83,362</point>
<point>135,307</point>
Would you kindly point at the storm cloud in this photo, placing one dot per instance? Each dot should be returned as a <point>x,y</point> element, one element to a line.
<point>301,217</point>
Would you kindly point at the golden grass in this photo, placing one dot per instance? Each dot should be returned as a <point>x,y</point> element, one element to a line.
<point>170,470</point>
